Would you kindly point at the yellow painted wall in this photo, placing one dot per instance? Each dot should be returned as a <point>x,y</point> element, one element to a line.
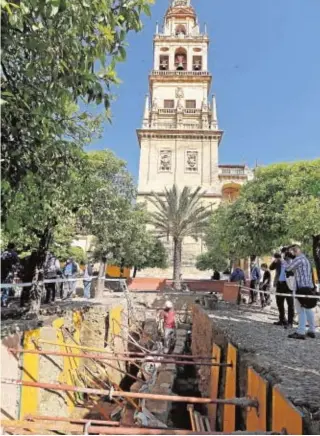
<point>115,321</point>
<point>115,272</point>
<point>30,363</point>
<point>69,375</point>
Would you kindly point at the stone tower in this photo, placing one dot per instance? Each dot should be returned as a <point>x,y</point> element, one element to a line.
<point>180,137</point>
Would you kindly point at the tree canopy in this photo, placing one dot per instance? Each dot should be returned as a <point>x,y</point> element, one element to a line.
<point>281,205</point>
<point>58,64</point>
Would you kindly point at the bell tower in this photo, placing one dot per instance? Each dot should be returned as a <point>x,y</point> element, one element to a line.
<point>179,137</point>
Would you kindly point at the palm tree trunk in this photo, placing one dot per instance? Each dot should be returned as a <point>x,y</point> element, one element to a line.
<point>177,251</point>
<point>316,253</point>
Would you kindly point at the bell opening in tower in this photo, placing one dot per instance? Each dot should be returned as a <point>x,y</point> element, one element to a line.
<point>197,63</point>
<point>181,30</point>
<point>180,59</point>
<point>164,63</point>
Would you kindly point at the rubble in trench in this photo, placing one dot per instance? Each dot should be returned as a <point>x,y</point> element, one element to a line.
<point>154,377</point>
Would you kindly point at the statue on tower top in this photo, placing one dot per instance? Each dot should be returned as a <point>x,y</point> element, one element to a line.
<point>179,3</point>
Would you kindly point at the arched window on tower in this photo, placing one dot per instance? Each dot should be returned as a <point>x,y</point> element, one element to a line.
<point>181,30</point>
<point>180,59</point>
<point>164,62</point>
<point>197,63</point>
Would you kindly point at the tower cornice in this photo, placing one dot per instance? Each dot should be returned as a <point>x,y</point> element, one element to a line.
<point>179,134</point>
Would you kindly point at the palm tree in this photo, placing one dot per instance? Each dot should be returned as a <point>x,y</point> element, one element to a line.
<point>179,214</point>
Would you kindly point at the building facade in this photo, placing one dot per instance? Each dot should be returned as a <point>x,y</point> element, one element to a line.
<point>180,135</point>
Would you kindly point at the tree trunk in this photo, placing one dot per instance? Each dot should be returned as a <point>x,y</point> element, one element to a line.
<point>316,253</point>
<point>38,273</point>
<point>135,270</point>
<point>177,252</point>
<point>101,277</point>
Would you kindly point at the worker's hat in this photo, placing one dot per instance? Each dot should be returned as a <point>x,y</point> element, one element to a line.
<point>168,305</point>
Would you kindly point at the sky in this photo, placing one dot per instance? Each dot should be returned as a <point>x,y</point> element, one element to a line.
<point>265,60</point>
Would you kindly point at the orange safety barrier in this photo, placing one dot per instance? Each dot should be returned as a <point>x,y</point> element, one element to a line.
<point>257,388</point>
<point>229,411</point>
<point>284,415</point>
<point>214,384</point>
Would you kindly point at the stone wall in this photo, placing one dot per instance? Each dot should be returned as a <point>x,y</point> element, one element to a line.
<point>89,327</point>
<point>10,368</point>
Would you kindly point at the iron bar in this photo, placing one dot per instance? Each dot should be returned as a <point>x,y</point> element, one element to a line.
<point>76,428</point>
<point>71,420</point>
<point>106,363</point>
<point>100,365</point>
<point>119,430</point>
<point>241,402</point>
<point>123,353</point>
<point>121,359</point>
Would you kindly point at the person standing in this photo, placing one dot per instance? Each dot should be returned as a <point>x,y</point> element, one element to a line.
<point>51,269</point>
<point>168,321</point>
<point>87,279</point>
<point>265,286</point>
<point>237,276</point>
<point>280,282</point>
<point>216,275</point>
<point>255,276</point>
<point>302,270</point>
<point>9,264</point>
<point>70,270</point>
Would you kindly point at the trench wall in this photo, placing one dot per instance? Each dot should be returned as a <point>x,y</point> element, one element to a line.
<point>93,327</point>
<point>246,378</point>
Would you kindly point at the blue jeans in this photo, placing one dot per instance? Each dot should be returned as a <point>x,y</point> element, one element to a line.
<point>305,315</point>
<point>87,289</point>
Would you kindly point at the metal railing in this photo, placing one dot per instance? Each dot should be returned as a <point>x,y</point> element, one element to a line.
<point>232,171</point>
<point>179,73</point>
<point>167,110</point>
<point>190,37</point>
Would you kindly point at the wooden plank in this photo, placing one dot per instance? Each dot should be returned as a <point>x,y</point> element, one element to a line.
<point>214,385</point>
<point>257,388</point>
<point>284,415</point>
<point>229,411</point>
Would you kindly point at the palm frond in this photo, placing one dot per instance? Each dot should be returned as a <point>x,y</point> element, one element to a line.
<point>179,214</point>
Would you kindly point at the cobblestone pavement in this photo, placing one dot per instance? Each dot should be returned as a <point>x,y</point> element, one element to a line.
<point>294,365</point>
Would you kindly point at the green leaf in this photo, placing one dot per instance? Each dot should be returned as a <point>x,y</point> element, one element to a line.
<point>123,53</point>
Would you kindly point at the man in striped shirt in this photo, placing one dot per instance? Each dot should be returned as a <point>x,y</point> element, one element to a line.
<point>302,270</point>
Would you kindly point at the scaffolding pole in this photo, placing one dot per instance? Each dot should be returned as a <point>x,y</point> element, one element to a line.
<point>121,359</point>
<point>240,402</point>
<point>7,424</point>
<point>71,420</point>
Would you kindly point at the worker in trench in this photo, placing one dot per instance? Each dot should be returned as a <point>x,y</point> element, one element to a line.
<point>167,326</point>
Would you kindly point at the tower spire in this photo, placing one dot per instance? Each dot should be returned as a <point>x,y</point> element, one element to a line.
<point>146,113</point>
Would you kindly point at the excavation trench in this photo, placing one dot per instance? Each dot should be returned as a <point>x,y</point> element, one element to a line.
<point>73,368</point>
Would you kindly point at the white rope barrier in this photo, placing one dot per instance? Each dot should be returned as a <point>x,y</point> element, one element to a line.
<point>41,282</point>
<point>293,295</point>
